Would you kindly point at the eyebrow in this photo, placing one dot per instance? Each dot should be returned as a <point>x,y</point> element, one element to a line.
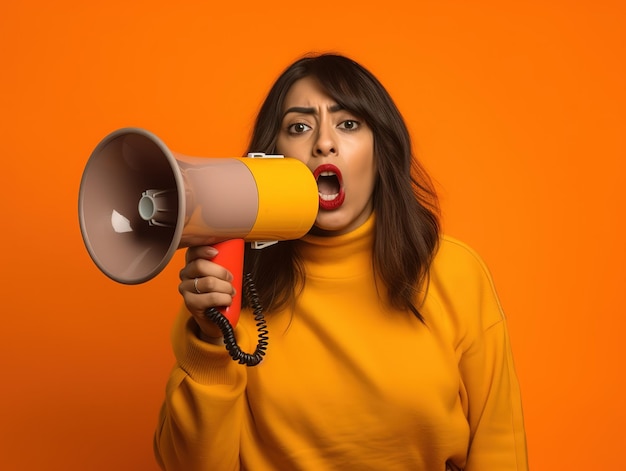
<point>311,110</point>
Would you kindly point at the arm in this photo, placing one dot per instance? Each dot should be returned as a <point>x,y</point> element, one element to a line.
<point>200,421</point>
<point>494,403</point>
<point>490,390</point>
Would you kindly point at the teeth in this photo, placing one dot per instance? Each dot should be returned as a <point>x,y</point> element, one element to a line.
<point>327,174</point>
<point>328,197</point>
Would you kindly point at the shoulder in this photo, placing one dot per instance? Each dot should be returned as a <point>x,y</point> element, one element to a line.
<point>461,280</point>
<point>457,259</point>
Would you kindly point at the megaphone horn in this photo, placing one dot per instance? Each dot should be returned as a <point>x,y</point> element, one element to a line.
<point>139,202</point>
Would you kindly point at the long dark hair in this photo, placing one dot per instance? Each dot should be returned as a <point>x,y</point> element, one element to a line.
<point>404,201</point>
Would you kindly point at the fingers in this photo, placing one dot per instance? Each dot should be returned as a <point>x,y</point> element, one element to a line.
<point>201,268</point>
<point>200,278</point>
<point>202,285</point>
<point>206,252</point>
<point>198,264</point>
<point>199,303</point>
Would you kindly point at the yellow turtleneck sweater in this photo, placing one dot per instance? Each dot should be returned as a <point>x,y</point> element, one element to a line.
<point>350,384</point>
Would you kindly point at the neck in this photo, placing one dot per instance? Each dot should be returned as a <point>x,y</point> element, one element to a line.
<point>338,256</point>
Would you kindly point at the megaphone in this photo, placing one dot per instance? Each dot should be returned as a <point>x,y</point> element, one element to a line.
<point>139,202</point>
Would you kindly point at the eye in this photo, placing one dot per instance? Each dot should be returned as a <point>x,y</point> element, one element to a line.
<point>298,128</point>
<point>349,125</point>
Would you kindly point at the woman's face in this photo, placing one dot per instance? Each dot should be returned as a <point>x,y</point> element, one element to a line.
<point>338,147</point>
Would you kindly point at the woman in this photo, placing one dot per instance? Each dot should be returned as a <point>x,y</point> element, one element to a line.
<point>388,347</point>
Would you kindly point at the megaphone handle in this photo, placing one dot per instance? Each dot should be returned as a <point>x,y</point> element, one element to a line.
<point>230,256</point>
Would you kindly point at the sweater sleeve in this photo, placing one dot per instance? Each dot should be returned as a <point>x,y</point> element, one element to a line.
<point>498,441</point>
<point>201,418</point>
<point>490,388</point>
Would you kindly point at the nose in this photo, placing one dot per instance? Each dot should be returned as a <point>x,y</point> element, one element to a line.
<point>325,144</point>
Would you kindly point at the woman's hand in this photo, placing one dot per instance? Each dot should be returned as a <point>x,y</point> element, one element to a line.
<point>205,284</point>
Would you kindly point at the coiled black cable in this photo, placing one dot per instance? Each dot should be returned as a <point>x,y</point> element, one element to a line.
<point>248,359</point>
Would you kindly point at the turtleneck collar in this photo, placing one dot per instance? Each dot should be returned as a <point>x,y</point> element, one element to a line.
<point>344,256</point>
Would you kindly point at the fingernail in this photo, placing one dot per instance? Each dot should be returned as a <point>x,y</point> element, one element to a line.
<point>211,251</point>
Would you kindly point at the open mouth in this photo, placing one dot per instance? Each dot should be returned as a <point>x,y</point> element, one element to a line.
<point>329,186</point>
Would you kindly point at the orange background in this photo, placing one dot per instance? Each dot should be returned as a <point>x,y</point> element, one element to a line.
<point>518,109</point>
